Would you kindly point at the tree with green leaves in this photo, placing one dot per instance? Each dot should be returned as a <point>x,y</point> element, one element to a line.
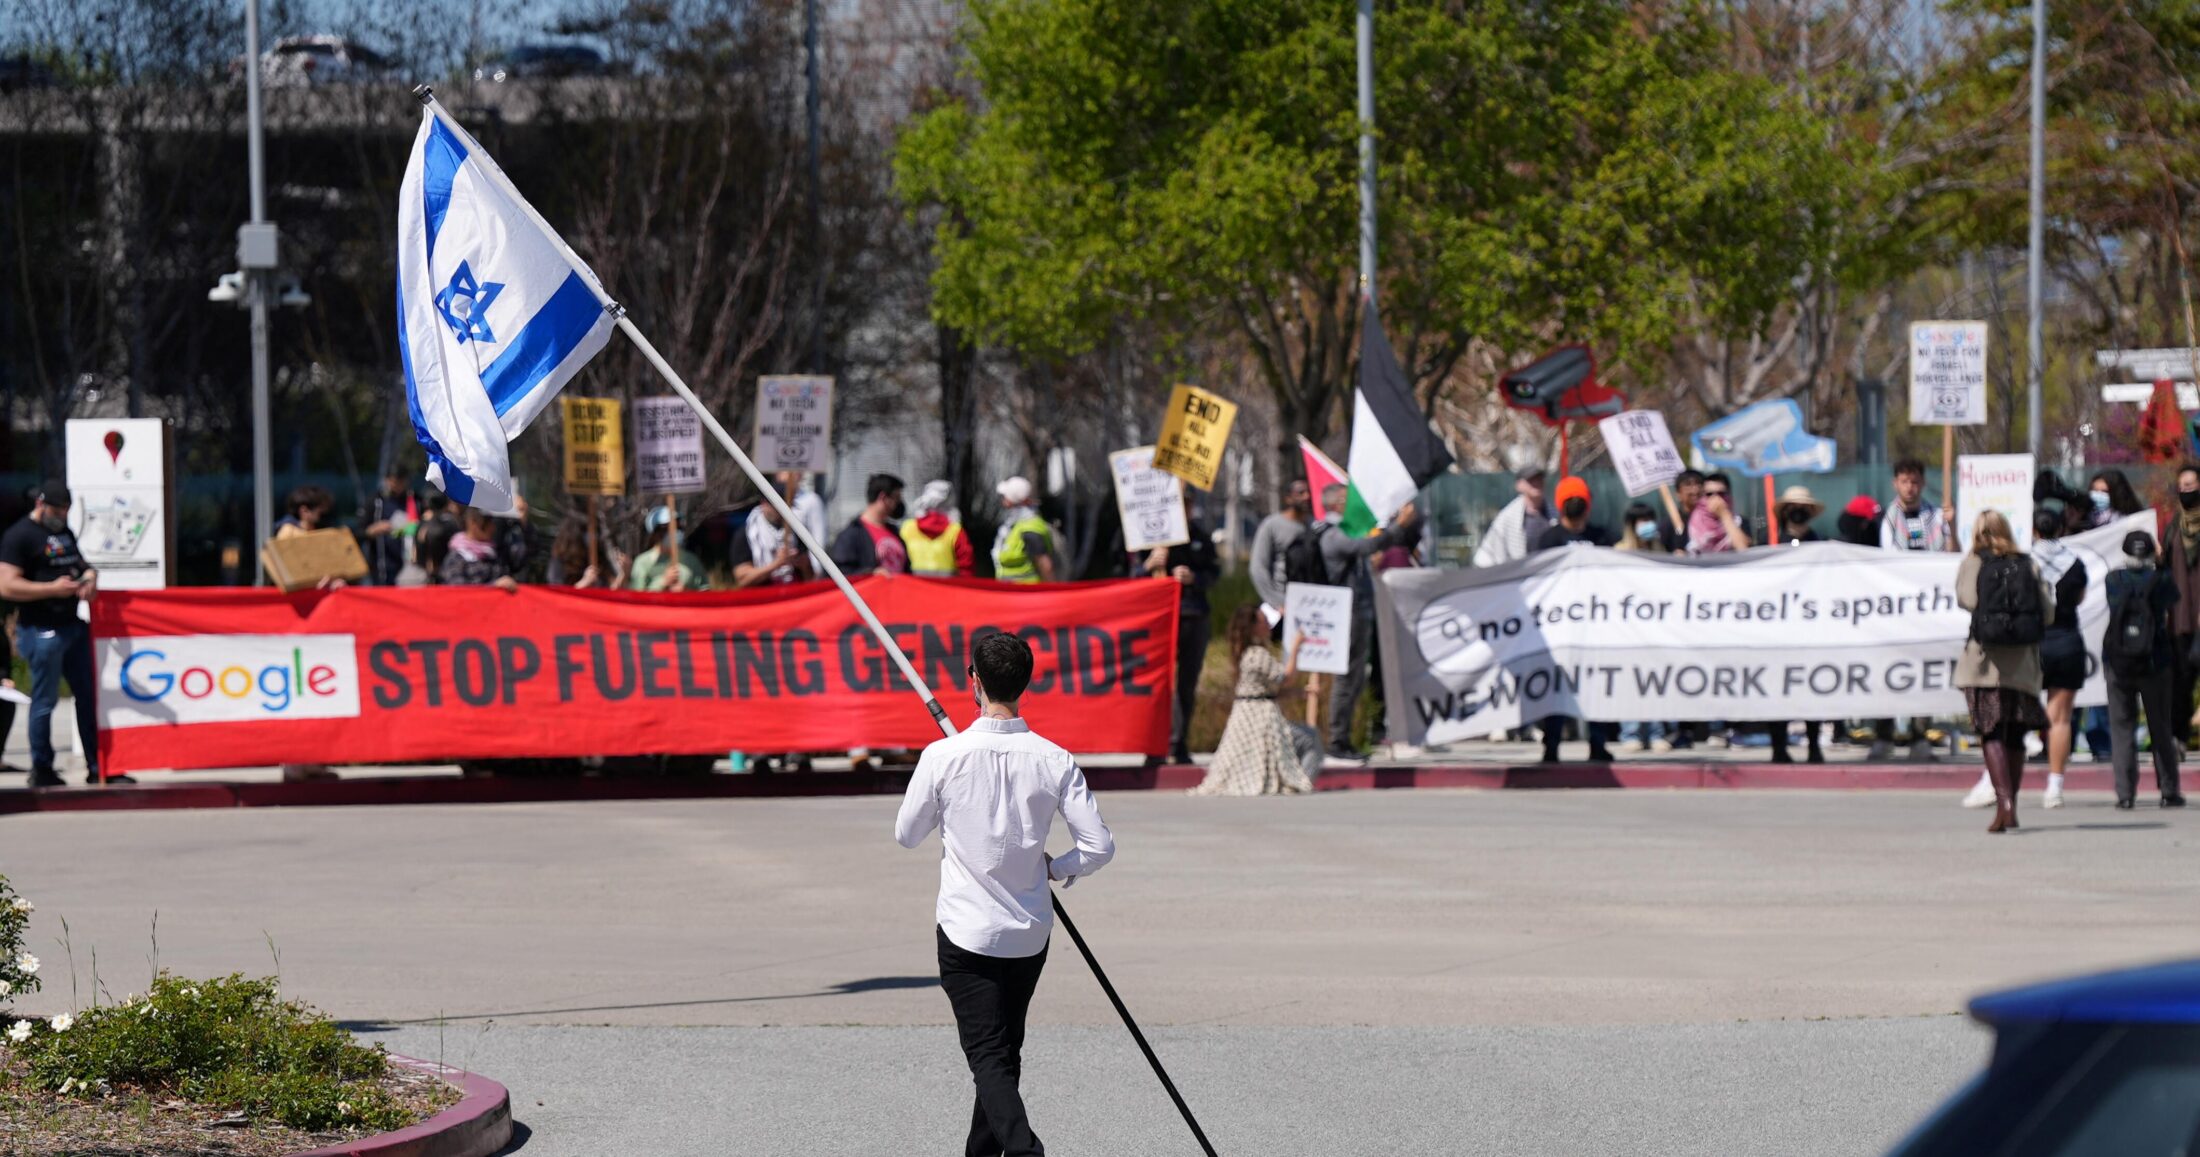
<point>1584,170</point>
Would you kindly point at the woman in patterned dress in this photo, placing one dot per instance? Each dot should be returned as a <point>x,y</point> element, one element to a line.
<point>1260,753</point>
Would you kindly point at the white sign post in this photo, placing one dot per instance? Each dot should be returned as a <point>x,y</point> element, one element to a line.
<point>1321,615</point>
<point>118,479</point>
<point>1150,501</point>
<point>1642,450</point>
<point>1995,482</point>
<point>1948,373</point>
<point>794,423</point>
<point>668,447</point>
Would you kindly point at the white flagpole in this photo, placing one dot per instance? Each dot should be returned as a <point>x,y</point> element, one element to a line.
<point>710,421</point>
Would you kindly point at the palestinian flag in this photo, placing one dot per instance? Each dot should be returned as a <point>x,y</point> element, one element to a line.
<point>1394,453</point>
<point>1321,473</point>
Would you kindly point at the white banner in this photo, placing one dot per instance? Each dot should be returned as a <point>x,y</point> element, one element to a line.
<point>1322,615</point>
<point>1948,373</point>
<point>668,447</point>
<point>1642,450</point>
<point>794,423</point>
<point>1150,501</point>
<point>1817,631</point>
<point>1994,482</point>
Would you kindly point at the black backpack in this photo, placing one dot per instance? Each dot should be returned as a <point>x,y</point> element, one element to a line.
<point>2128,646</point>
<point>1302,560</point>
<point>2009,613</point>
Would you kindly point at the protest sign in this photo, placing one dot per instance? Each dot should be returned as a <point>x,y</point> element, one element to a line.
<point>118,475</point>
<point>1994,482</point>
<point>668,447</point>
<point>1817,631</point>
<point>1150,501</point>
<point>1193,433</point>
<point>1947,373</point>
<point>204,678</point>
<point>595,446</point>
<point>1322,616</point>
<point>794,423</point>
<point>1642,450</point>
<point>1762,440</point>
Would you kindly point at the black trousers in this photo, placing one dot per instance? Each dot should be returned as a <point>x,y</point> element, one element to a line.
<point>991,996</point>
<point>2125,697</point>
<point>2179,723</point>
<point>1192,635</point>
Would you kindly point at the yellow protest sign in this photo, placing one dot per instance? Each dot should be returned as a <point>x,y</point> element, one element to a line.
<point>1193,433</point>
<point>595,446</point>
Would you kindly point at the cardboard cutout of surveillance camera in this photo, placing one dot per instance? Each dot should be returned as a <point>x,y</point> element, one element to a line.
<point>1562,387</point>
<point>1767,438</point>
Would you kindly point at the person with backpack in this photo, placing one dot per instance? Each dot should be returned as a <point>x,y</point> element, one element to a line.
<point>1325,554</point>
<point>2011,606</point>
<point>2138,653</point>
<point>2062,649</point>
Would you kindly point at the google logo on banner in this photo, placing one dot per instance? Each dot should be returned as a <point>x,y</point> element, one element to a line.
<point>181,679</point>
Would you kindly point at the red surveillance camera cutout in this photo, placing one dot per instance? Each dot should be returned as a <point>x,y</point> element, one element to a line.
<point>1562,387</point>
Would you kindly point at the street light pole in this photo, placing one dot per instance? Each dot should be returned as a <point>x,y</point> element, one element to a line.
<point>256,256</point>
<point>1367,148</point>
<point>2034,340</point>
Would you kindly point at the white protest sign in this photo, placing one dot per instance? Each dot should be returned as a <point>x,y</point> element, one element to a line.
<point>118,476</point>
<point>1994,482</point>
<point>668,447</point>
<point>1150,501</point>
<point>1642,450</point>
<point>1322,616</point>
<point>794,423</point>
<point>1948,373</point>
<point>1822,629</point>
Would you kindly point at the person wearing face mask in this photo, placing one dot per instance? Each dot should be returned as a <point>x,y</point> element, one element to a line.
<point>2180,535</point>
<point>2139,662</point>
<point>1794,513</point>
<point>2110,497</point>
<point>872,543</point>
<point>44,574</point>
<point>1640,532</point>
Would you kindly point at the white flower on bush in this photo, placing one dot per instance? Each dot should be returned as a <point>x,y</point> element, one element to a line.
<point>25,907</point>
<point>26,964</point>
<point>344,1107</point>
<point>21,1032</point>
<point>62,1023</point>
<point>191,992</point>
<point>6,988</point>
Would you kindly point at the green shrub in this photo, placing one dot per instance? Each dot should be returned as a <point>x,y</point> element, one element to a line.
<point>233,1044</point>
<point>18,969</point>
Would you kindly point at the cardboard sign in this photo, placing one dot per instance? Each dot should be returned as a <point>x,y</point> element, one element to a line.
<point>668,447</point>
<point>1321,615</point>
<point>1150,501</point>
<point>595,446</point>
<point>118,476</point>
<point>1642,450</point>
<point>794,423</point>
<point>1948,373</point>
<point>1193,433</point>
<point>1995,482</point>
<point>298,562</point>
<point>1764,439</point>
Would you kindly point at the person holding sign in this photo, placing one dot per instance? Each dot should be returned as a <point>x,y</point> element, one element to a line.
<point>1913,523</point>
<point>658,568</point>
<point>1261,753</point>
<point>1192,566</point>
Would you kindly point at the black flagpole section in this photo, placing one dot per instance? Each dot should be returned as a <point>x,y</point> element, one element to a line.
<point>1071,927</point>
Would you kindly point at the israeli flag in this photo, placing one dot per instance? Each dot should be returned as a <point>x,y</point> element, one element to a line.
<point>494,313</point>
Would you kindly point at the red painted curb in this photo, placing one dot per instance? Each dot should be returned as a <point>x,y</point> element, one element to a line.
<point>477,1126</point>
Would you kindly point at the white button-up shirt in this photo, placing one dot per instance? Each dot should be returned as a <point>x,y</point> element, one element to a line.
<point>993,792</point>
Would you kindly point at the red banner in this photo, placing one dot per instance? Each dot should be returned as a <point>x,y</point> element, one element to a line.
<point>227,678</point>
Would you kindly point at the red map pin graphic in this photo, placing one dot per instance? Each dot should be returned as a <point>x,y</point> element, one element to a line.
<point>113,441</point>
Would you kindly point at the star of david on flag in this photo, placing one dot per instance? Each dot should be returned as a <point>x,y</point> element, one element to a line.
<point>482,357</point>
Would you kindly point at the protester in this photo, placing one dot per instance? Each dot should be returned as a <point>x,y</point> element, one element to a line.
<point>389,526</point>
<point>1343,562</point>
<point>871,543</point>
<point>771,544</point>
<point>2180,535</point>
<point>518,545</point>
<point>1518,525</point>
<point>2140,663</point>
<point>1797,509</point>
<point>1272,544</point>
<point>1573,529</point>
<point>1687,495</point>
<point>1193,568</point>
<point>1639,530</point>
<point>2011,607</point>
<point>1712,527</point>
<point>1913,523</point>
<point>993,792</point>
<point>571,566</point>
<point>1023,552</point>
<point>472,559</point>
<point>934,537</point>
<point>44,574</point>
<point>2111,498</point>
<point>1262,752</point>
<point>432,545</point>
<point>802,498</point>
<point>308,508</point>
<point>1858,524</point>
<point>659,568</point>
<point>2062,649</point>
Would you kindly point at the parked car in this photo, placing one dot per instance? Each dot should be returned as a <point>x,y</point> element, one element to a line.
<point>2090,1067</point>
<point>303,61</point>
<point>545,62</point>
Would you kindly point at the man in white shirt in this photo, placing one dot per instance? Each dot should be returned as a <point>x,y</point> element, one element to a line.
<point>993,791</point>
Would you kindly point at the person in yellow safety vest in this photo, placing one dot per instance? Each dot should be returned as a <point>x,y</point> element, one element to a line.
<point>1024,550</point>
<point>933,532</point>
